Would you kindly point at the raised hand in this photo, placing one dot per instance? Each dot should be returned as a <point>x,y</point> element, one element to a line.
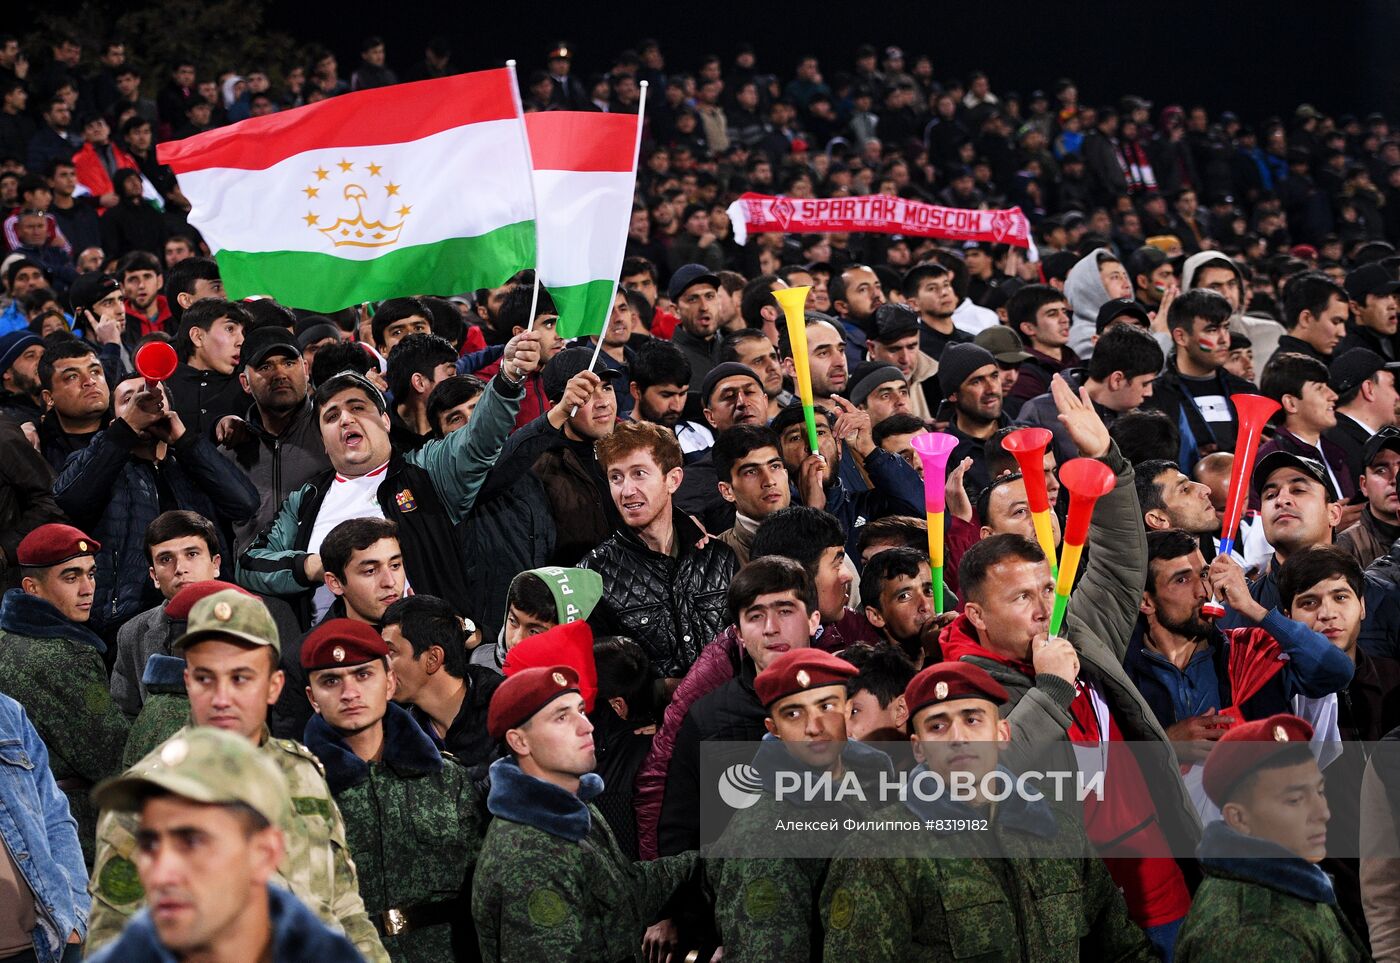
<point>1086,429</point>
<point>853,426</point>
<point>522,355</point>
<point>955,500</point>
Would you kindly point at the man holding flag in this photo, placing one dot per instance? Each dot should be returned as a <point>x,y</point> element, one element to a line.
<point>426,492</point>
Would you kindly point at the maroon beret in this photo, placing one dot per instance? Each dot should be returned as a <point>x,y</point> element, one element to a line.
<point>336,643</point>
<point>525,693</point>
<point>53,544</point>
<point>178,608</point>
<point>799,670</point>
<point>946,681</point>
<point>1247,747</point>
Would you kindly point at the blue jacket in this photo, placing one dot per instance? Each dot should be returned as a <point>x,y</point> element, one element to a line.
<point>40,834</point>
<point>1315,668</point>
<point>896,489</point>
<point>297,937</point>
<point>13,318</point>
<point>1380,630</point>
<point>113,497</point>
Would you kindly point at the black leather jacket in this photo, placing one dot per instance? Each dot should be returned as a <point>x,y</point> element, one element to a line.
<point>670,606</point>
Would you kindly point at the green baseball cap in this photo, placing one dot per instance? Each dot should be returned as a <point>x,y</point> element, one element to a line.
<point>233,614</point>
<point>1004,344</point>
<point>205,765</point>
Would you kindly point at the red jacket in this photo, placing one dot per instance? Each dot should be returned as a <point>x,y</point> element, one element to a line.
<point>161,322</point>
<point>959,640</point>
<point>92,172</point>
<point>533,404</point>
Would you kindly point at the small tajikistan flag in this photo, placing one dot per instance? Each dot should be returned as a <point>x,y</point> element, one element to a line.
<point>420,188</point>
<point>585,173</point>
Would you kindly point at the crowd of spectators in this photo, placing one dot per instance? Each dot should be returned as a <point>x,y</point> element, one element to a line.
<point>442,517</point>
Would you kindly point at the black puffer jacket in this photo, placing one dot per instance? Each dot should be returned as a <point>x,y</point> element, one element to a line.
<point>670,606</point>
<point>113,496</point>
<point>731,714</point>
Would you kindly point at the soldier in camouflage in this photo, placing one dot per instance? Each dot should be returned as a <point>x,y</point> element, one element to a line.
<point>766,905</point>
<point>412,816</point>
<point>166,710</point>
<point>51,663</point>
<point>216,899</point>
<point>551,882</point>
<point>166,706</point>
<point>1016,881</point>
<point>1264,896</point>
<point>231,658</point>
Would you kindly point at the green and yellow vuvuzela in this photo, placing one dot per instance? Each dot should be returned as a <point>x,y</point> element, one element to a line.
<point>413,189</point>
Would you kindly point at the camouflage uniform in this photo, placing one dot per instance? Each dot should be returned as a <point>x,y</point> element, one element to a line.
<point>165,712</point>
<point>414,822</point>
<point>766,907</point>
<point>221,768</point>
<point>1260,902</point>
<point>317,867</point>
<point>53,668</point>
<point>994,896</point>
<point>551,882</point>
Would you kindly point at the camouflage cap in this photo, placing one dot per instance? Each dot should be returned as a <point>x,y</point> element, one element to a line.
<point>232,613</point>
<point>206,765</point>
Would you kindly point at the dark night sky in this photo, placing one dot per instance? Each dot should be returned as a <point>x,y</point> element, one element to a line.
<point>1254,57</point>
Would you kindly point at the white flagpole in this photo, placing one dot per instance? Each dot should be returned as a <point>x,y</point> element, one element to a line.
<point>525,136</point>
<point>612,299</point>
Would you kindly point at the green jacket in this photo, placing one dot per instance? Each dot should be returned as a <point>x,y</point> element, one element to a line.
<point>414,823</point>
<point>1260,902</point>
<point>316,867</point>
<point>53,668</point>
<point>1024,888</point>
<point>165,711</point>
<point>551,882</point>
<point>766,906</point>
<point>426,492</point>
<point>1102,614</point>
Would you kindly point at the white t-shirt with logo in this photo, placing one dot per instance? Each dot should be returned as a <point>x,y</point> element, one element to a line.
<point>348,498</point>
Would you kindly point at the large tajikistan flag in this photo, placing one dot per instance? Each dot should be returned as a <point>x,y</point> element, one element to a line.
<point>413,189</point>
<point>585,174</point>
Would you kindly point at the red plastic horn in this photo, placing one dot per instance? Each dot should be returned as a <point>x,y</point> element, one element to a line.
<point>1254,412</point>
<point>1088,480</point>
<point>1027,446</point>
<point>155,361</point>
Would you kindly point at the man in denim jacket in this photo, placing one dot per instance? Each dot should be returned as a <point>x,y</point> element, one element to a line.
<point>40,860</point>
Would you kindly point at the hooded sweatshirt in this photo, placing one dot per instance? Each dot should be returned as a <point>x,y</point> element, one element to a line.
<point>576,591</point>
<point>1086,294</point>
<point>1263,333</point>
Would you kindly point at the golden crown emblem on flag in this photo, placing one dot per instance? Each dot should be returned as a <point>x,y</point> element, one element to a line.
<point>375,229</point>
